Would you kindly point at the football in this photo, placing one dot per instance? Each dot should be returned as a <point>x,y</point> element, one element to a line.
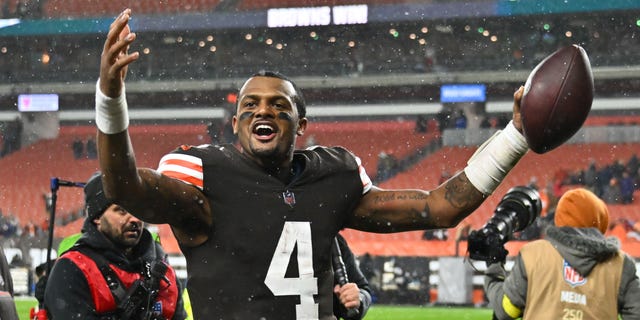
<point>557,98</point>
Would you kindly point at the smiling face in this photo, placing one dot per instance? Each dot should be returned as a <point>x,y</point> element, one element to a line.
<point>267,121</point>
<point>119,226</point>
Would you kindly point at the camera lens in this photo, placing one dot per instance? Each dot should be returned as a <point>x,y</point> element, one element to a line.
<point>519,208</point>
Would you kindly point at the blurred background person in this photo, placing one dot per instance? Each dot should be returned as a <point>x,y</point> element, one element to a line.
<point>352,300</point>
<point>116,269</point>
<point>574,273</point>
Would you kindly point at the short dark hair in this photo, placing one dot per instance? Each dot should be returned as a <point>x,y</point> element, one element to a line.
<point>301,105</point>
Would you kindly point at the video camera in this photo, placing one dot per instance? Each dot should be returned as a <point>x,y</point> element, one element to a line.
<point>519,207</point>
<point>138,299</point>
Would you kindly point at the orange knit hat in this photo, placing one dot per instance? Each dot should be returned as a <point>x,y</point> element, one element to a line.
<point>580,208</point>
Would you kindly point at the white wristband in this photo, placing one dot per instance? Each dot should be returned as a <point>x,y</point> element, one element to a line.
<point>111,113</point>
<point>492,161</point>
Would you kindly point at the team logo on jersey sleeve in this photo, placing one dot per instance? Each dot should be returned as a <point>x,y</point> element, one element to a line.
<point>572,277</point>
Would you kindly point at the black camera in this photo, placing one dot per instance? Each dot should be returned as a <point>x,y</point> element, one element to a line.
<point>519,207</point>
<point>136,304</point>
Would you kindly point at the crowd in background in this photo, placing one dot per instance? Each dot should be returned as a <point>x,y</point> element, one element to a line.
<point>84,149</point>
<point>377,54</point>
<point>490,44</point>
<point>614,182</point>
<point>14,234</point>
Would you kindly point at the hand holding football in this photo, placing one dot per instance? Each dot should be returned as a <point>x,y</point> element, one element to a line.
<point>557,98</point>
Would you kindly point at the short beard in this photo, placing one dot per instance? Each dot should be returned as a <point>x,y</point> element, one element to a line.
<point>118,238</point>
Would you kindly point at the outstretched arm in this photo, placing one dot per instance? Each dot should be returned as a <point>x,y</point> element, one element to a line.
<point>145,193</point>
<point>383,210</point>
<point>404,210</point>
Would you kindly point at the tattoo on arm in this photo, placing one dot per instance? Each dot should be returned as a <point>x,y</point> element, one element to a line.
<point>460,192</point>
<point>399,196</point>
<point>412,215</point>
<point>385,198</point>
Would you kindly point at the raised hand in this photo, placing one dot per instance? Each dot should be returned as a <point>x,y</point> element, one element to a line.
<point>115,57</point>
<point>517,117</point>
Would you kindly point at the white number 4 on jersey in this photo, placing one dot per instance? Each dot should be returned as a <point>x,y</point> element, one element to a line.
<point>306,285</point>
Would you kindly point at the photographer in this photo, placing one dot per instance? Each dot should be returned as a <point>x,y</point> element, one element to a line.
<point>574,273</point>
<point>115,271</point>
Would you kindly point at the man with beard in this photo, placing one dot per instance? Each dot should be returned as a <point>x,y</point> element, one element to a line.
<point>256,221</point>
<point>116,270</point>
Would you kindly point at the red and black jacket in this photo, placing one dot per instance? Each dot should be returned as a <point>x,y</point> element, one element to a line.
<point>78,287</point>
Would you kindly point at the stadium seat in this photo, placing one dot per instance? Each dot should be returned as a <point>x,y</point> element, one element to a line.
<point>99,8</point>
<point>27,172</point>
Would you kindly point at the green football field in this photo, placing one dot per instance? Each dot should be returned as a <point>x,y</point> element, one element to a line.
<point>24,304</point>
<point>377,312</point>
<point>385,312</point>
